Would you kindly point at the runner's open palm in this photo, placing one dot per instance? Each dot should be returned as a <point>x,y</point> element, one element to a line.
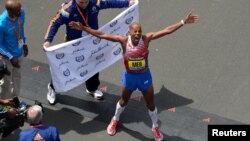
<point>191,18</point>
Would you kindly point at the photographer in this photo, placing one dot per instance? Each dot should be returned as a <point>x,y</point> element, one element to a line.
<point>37,130</point>
<point>5,86</point>
<point>6,117</point>
<point>5,102</point>
<point>8,111</point>
<point>11,113</point>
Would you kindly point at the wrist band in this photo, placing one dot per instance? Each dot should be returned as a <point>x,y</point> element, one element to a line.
<point>182,22</point>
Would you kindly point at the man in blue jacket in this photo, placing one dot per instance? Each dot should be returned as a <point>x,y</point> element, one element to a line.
<point>85,12</point>
<point>38,131</point>
<point>13,40</point>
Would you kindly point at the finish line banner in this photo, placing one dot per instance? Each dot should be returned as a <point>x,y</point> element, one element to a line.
<point>74,62</point>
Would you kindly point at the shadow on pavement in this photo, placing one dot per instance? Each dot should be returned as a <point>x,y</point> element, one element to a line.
<point>104,110</point>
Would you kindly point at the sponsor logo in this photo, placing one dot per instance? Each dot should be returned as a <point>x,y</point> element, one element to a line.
<point>145,82</point>
<point>77,50</point>
<point>129,12</point>
<point>82,74</point>
<point>82,66</point>
<point>99,56</point>
<point>96,41</point>
<point>70,80</point>
<point>77,43</point>
<point>113,23</point>
<point>60,56</point>
<point>38,137</point>
<point>100,61</point>
<point>117,52</point>
<point>129,20</point>
<point>66,72</point>
<point>99,49</point>
<point>115,29</point>
<point>63,62</point>
<point>79,58</point>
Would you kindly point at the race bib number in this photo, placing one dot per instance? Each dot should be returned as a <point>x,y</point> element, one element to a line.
<point>136,64</point>
<point>20,43</point>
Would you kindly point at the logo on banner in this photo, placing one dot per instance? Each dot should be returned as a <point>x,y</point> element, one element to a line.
<point>82,66</point>
<point>99,56</point>
<point>115,30</point>
<point>70,81</point>
<point>129,20</point>
<point>77,43</point>
<point>129,12</point>
<point>99,49</point>
<point>63,63</point>
<point>79,58</point>
<point>66,72</point>
<point>113,23</point>
<point>77,50</point>
<point>100,61</point>
<point>117,52</point>
<point>82,74</point>
<point>96,41</point>
<point>60,56</point>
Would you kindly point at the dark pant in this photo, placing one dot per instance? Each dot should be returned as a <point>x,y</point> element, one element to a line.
<point>93,82</point>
